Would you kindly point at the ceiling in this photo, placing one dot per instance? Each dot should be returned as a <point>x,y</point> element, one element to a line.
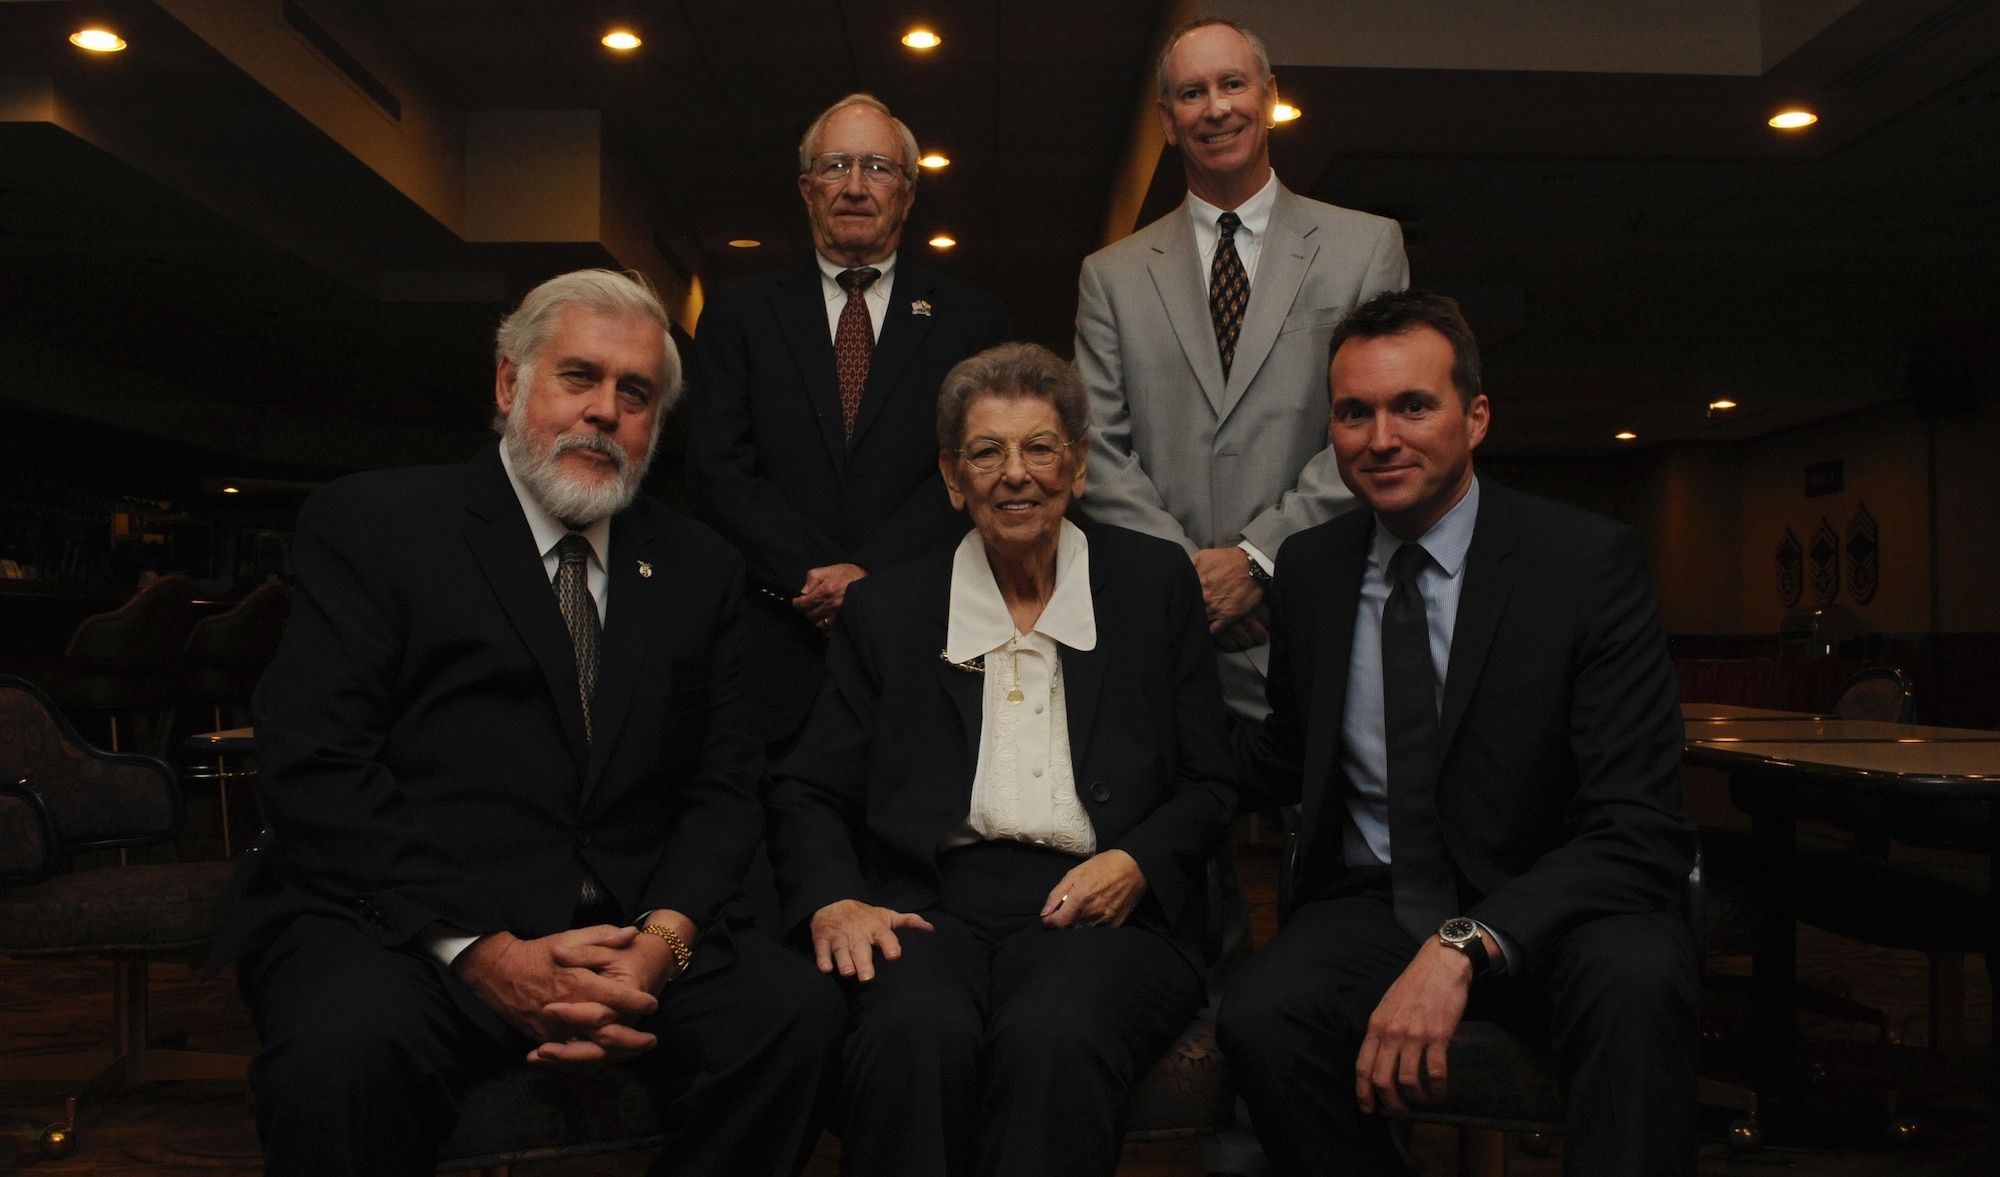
<point>202,239</point>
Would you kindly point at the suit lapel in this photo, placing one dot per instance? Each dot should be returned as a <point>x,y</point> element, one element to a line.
<point>1489,578</point>
<point>800,307</point>
<point>636,604</point>
<point>1289,247</point>
<point>1083,670</point>
<point>1333,650</point>
<point>498,535</point>
<point>903,332</point>
<point>965,688</point>
<point>1175,268</point>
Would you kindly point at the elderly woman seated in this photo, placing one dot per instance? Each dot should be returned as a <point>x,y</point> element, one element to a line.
<point>997,818</point>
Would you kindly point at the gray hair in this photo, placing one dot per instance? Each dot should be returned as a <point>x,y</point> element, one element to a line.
<point>1256,43</point>
<point>607,292</point>
<point>811,139</point>
<point>1012,371</point>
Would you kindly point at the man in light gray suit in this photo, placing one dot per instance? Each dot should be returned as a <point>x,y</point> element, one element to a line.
<point>1203,341</point>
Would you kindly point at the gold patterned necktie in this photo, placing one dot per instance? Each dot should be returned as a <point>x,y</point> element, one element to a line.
<point>579,610</point>
<point>853,343</point>
<point>1228,290</point>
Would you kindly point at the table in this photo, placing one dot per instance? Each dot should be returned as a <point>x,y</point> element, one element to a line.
<point>1716,711</point>
<point>1770,757</point>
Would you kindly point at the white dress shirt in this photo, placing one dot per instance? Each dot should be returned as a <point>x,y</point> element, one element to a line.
<point>1364,747</point>
<point>440,941</point>
<point>1024,788</point>
<point>876,297</point>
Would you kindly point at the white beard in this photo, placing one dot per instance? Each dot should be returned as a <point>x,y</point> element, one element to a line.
<point>540,468</point>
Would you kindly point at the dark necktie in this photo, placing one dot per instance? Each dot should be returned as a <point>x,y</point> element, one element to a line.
<point>1420,871</point>
<point>853,343</point>
<point>579,610</point>
<point>1228,290</point>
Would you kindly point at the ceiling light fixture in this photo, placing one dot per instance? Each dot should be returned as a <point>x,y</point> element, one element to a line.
<point>1792,120</point>
<point>1284,112</point>
<point>1625,435</point>
<point>922,39</point>
<point>745,242</point>
<point>1719,406</point>
<point>933,160</point>
<point>622,41</point>
<point>943,242</point>
<point>97,40</point>
<point>230,490</point>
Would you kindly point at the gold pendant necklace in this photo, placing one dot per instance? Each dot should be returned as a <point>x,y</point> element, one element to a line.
<point>1014,694</point>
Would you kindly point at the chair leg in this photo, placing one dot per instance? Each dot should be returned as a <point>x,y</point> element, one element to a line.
<point>1482,1152</point>
<point>1947,1002</point>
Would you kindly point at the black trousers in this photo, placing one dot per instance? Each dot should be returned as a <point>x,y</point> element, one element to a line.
<point>367,1050</point>
<point>1616,996</point>
<point>995,1045</point>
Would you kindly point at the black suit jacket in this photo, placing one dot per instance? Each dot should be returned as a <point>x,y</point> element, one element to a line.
<point>884,768</point>
<point>420,736</point>
<point>769,466</point>
<point>1559,789</point>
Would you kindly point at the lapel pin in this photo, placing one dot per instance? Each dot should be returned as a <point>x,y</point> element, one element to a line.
<point>645,569</point>
<point>921,307</point>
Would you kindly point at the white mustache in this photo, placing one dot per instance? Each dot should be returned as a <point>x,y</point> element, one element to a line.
<point>596,443</point>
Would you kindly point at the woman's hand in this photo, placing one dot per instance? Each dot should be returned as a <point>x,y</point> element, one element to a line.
<point>1099,891</point>
<point>846,934</point>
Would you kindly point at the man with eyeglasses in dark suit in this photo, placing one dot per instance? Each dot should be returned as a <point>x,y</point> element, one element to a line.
<point>813,444</point>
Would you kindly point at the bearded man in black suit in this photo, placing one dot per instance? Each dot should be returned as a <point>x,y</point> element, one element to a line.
<point>507,762</point>
<point>1471,694</point>
<point>811,444</point>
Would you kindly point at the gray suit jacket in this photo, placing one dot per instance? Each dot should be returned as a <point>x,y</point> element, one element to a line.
<point>1175,450</point>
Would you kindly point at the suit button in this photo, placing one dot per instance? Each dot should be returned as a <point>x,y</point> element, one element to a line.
<point>1099,791</point>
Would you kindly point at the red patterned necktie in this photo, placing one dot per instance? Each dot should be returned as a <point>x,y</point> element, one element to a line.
<point>853,343</point>
<point>1228,290</point>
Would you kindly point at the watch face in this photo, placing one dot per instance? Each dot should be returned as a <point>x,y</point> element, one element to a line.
<point>1458,930</point>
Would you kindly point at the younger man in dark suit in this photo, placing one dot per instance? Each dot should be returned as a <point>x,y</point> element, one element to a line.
<point>506,761</point>
<point>812,445</point>
<point>1472,697</point>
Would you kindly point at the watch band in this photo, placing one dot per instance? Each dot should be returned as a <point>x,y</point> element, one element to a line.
<point>1257,574</point>
<point>1465,936</point>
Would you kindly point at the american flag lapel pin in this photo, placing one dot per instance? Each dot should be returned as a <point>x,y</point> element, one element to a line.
<point>921,307</point>
<point>645,570</point>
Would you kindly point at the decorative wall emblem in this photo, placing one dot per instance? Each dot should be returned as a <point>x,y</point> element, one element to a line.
<point>1791,570</point>
<point>1864,556</point>
<point>1823,563</point>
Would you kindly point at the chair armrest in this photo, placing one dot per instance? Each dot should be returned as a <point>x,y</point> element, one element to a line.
<point>30,844</point>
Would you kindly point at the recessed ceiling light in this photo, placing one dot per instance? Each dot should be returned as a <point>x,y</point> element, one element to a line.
<point>1625,435</point>
<point>922,39</point>
<point>1717,406</point>
<point>230,490</point>
<point>621,41</point>
<point>745,242</point>
<point>943,242</point>
<point>933,160</point>
<point>1284,112</point>
<point>1792,120</point>
<point>97,40</point>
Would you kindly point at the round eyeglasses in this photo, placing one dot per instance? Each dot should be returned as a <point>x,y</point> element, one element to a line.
<point>987,454</point>
<point>832,167</point>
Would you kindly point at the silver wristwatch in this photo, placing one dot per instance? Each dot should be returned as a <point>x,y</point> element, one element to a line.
<point>1462,934</point>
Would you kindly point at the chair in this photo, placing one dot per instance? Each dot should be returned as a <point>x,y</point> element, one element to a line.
<point>123,664</point>
<point>1880,692</point>
<point>226,655</point>
<point>60,797</point>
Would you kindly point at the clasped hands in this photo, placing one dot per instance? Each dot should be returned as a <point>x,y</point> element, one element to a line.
<point>825,592</point>
<point>1237,616</point>
<point>576,993</point>
<point>1100,891</point>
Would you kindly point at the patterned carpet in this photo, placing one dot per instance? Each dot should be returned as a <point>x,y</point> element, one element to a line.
<point>205,1130</point>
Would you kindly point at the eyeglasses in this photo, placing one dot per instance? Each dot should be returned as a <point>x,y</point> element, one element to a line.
<point>831,167</point>
<point>987,454</point>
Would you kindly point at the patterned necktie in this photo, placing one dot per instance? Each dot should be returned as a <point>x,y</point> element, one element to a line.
<point>1420,873</point>
<point>1228,290</point>
<point>579,610</point>
<point>853,343</point>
